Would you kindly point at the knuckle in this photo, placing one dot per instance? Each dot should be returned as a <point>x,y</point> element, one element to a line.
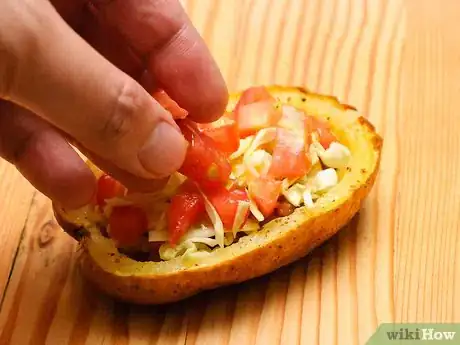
<point>125,113</point>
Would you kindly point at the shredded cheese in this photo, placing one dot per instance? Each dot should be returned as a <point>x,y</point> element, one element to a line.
<point>295,194</point>
<point>307,198</point>
<point>215,219</point>
<point>245,143</point>
<point>255,210</point>
<point>257,163</point>
<point>263,137</point>
<point>240,216</point>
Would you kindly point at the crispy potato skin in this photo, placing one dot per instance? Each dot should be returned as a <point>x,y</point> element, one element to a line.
<point>280,251</point>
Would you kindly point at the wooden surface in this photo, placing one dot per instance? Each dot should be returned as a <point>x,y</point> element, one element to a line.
<point>399,63</point>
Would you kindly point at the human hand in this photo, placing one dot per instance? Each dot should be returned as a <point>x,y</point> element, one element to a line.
<point>83,71</point>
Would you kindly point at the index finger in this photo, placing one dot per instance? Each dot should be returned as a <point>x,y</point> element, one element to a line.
<point>175,54</point>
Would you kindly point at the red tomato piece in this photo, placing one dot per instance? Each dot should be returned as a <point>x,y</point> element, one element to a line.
<point>289,159</point>
<point>326,138</point>
<point>255,110</point>
<point>224,132</point>
<point>127,224</point>
<point>298,122</point>
<point>265,192</point>
<point>308,125</point>
<point>255,116</point>
<point>226,137</point>
<point>227,118</point>
<point>226,204</point>
<point>292,140</point>
<point>254,94</point>
<point>170,105</point>
<point>322,127</point>
<point>204,163</point>
<point>108,187</point>
<point>186,208</point>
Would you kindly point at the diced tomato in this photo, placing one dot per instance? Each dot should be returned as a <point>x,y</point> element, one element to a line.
<point>308,125</point>
<point>186,208</point>
<point>170,105</point>
<point>292,140</point>
<point>227,118</point>
<point>204,162</point>
<point>188,186</point>
<point>255,110</point>
<point>127,224</point>
<point>265,192</point>
<point>254,94</point>
<point>224,132</point>
<point>298,122</point>
<point>322,127</point>
<point>226,137</point>
<point>108,187</point>
<point>226,204</point>
<point>326,137</point>
<point>289,159</point>
<point>253,117</point>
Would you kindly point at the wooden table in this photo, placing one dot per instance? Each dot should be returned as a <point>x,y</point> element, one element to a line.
<point>399,63</point>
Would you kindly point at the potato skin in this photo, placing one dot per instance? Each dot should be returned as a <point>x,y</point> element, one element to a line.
<point>287,247</point>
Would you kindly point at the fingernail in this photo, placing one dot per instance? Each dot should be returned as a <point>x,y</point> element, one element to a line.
<point>164,151</point>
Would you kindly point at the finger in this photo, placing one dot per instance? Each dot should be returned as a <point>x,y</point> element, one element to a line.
<point>58,76</point>
<point>176,55</point>
<point>44,157</point>
<point>107,42</point>
<point>72,11</point>
<point>130,181</point>
<point>111,45</point>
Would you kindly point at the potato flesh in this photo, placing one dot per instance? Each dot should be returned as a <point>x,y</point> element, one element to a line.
<point>351,130</point>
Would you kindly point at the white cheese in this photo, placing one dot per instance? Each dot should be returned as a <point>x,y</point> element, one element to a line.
<point>295,194</point>
<point>336,156</point>
<point>307,198</point>
<point>325,179</point>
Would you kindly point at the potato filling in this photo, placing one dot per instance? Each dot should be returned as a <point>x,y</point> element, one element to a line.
<point>260,161</point>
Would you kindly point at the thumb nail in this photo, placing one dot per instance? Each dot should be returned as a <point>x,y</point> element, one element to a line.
<point>164,151</point>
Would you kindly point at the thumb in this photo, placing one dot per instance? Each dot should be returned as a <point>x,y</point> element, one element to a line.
<point>58,76</point>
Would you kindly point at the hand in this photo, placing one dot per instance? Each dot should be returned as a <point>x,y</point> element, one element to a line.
<point>83,71</point>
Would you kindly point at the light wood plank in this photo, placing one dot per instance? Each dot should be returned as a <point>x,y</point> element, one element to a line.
<point>428,203</point>
<point>16,196</point>
<point>397,61</point>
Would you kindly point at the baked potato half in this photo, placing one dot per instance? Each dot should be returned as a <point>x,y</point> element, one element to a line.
<point>279,241</point>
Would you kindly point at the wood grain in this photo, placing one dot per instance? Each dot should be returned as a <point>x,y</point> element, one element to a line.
<point>428,211</point>
<point>16,196</point>
<point>399,63</point>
